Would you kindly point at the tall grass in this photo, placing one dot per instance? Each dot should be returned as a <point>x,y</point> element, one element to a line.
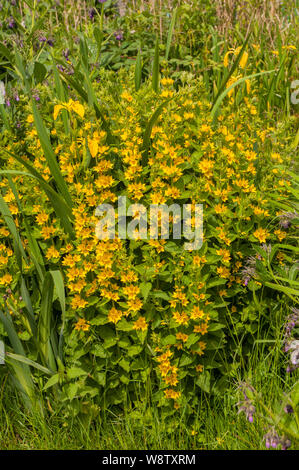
<point>217,424</point>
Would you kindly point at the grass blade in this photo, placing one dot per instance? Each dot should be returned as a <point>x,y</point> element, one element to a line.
<point>44,324</point>
<point>138,71</point>
<point>60,291</point>
<point>156,67</point>
<point>170,32</point>
<point>238,82</point>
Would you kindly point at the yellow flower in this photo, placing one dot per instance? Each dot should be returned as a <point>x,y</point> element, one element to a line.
<point>57,109</point>
<point>114,315</point>
<point>93,147</point>
<point>197,313</point>
<point>6,279</point>
<point>131,291</point>
<point>261,234</point>
<point>243,60</point>
<point>77,107</point>
<point>182,336</point>
<point>126,96</point>
<point>225,61</point>
<point>71,105</point>
<point>52,253</point>
<point>169,393</point>
<point>280,234</point>
<point>225,254</point>
<point>82,324</point>
<point>78,302</point>
<point>140,324</point>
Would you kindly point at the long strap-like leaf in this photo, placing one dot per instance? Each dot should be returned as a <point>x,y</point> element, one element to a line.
<point>238,82</point>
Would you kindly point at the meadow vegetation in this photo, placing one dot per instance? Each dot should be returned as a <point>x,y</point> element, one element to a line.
<point>134,343</point>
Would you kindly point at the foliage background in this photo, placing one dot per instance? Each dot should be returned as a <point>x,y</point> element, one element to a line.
<point>185,102</point>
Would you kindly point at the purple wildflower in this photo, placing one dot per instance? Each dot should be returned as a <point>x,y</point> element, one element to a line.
<point>66,53</point>
<point>288,409</point>
<point>272,439</point>
<point>119,35</point>
<point>11,23</point>
<point>249,272</point>
<point>285,219</point>
<point>92,12</point>
<point>246,405</point>
<point>285,443</point>
<point>290,343</point>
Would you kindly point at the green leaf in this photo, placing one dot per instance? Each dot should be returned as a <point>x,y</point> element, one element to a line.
<point>156,68</point>
<point>75,372</point>
<point>63,211</point>
<point>6,53</point>
<point>170,339</point>
<point>228,75</point>
<point>170,32</point>
<point>60,291</point>
<point>44,324</point>
<point>29,309</point>
<point>145,288</point>
<point>50,155</point>
<point>148,130</point>
<point>8,218</point>
<point>22,371</point>
<point>29,362</point>
<point>39,72</point>
<point>52,381</point>
<point>286,290</point>
<point>138,71</point>
<point>238,82</point>
<point>203,381</point>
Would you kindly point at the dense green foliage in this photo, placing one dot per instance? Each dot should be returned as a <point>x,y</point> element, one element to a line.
<point>162,107</point>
